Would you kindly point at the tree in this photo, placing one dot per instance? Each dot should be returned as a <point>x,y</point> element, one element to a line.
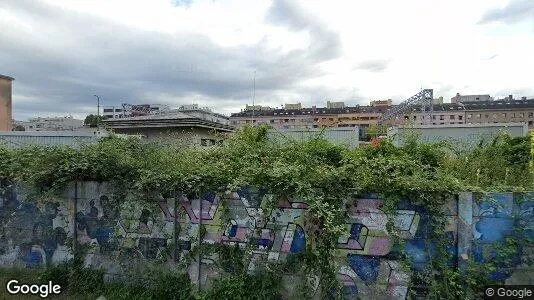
<point>19,128</point>
<point>93,120</point>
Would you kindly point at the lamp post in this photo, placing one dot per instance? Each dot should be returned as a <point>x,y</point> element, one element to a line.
<point>97,112</point>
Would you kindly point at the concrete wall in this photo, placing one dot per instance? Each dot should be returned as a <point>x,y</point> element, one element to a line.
<point>35,233</point>
<point>465,135</point>
<point>5,103</point>
<point>341,136</point>
<point>15,139</point>
<point>187,135</point>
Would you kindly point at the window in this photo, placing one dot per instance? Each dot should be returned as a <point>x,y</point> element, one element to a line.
<point>108,110</point>
<point>271,121</point>
<point>479,116</point>
<point>495,116</point>
<point>530,114</point>
<point>433,118</point>
<point>521,115</point>
<point>529,123</point>
<point>486,116</point>
<point>460,117</point>
<point>513,115</point>
<point>504,115</point>
<point>331,119</point>
<point>469,116</point>
<point>441,118</point>
<point>452,117</point>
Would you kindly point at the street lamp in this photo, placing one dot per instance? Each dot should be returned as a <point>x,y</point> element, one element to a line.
<point>97,111</point>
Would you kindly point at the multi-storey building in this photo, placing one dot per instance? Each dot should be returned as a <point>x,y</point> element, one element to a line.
<point>470,98</point>
<point>505,110</point>
<point>132,110</point>
<point>52,124</point>
<point>314,117</point>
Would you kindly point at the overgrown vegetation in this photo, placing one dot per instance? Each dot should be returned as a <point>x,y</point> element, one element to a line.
<point>316,171</point>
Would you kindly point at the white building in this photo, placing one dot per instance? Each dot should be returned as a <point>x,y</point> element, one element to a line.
<point>470,98</point>
<point>132,110</point>
<point>52,124</point>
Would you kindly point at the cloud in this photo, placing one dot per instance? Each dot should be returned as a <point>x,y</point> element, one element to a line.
<point>376,65</point>
<point>182,2</point>
<point>325,44</point>
<point>514,11</point>
<point>60,58</point>
<point>491,57</point>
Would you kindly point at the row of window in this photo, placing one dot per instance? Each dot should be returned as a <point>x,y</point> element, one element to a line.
<point>434,117</point>
<point>504,115</point>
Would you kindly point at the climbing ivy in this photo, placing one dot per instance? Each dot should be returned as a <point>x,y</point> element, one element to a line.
<point>321,174</point>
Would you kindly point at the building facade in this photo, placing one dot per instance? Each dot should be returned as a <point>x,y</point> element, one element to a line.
<point>506,110</point>
<point>52,124</point>
<point>6,107</point>
<point>177,126</point>
<point>132,110</point>
<point>470,98</point>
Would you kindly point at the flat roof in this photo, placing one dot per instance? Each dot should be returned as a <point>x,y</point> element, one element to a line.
<point>50,133</point>
<point>6,77</point>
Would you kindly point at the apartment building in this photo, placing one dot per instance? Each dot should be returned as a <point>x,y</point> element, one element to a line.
<point>506,110</point>
<point>314,117</point>
<point>470,98</point>
<point>52,124</point>
<point>126,110</point>
<point>501,111</point>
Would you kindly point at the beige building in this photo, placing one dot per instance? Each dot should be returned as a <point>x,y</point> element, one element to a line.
<point>501,111</point>
<point>52,124</point>
<point>498,111</point>
<point>291,106</point>
<point>175,127</point>
<point>470,98</point>
<point>6,106</point>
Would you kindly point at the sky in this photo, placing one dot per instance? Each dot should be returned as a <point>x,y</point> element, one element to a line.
<point>175,52</point>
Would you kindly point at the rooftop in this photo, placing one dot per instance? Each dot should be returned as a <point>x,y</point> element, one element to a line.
<point>176,119</point>
<point>6,77</point>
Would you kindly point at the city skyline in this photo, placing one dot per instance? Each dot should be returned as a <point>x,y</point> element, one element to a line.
<point>179,52</point>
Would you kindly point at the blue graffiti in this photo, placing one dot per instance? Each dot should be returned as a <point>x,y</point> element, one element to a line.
<point>299,240</point>
<point>366,267</point>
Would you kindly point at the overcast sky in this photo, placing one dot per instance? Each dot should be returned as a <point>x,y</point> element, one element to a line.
<point>175,52</point>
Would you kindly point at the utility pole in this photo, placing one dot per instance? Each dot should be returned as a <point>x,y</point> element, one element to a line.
<point>97,112</point>
<point>254,97</point>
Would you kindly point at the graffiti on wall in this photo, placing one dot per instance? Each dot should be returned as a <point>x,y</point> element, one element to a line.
<point>120,228</point>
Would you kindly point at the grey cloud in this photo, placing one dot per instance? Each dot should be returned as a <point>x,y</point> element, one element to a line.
<point>325,44</point>
<point>377,65</point>
<point>68,56</point>
<point>514,11</point>
<point>182,2</point>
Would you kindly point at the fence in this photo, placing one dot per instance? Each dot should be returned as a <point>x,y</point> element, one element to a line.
<point>168,228</point>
